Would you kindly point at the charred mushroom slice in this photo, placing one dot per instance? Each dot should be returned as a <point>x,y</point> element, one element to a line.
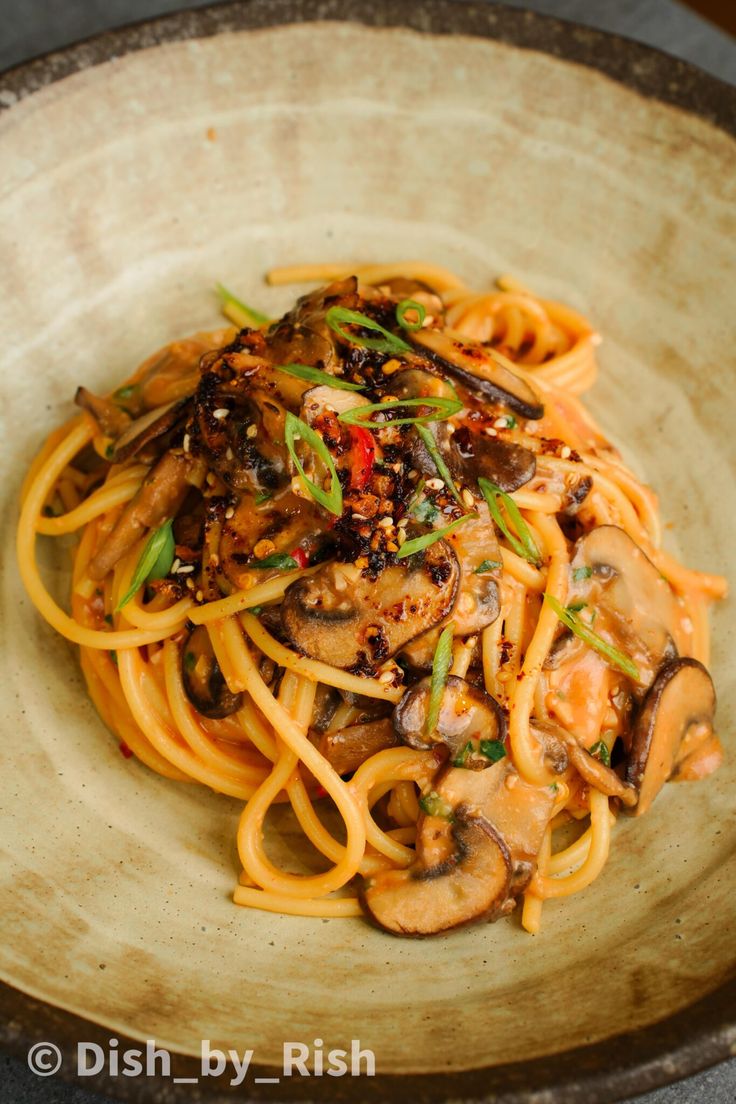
<point>612,574</point>
<point>340,616</point>
<point>467,716</point>
<point>147,428</point>
<point>347,748</point>
<point>471,455</point>
<point>676,717</point>
<point>241,431</point>
<point>471,883</point>
<point>203,680</point>
<point>111,418</point>
<point>255,533</point>
<point>479,369</point>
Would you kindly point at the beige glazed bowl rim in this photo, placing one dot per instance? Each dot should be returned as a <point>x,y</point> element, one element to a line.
<point>692,1039</point>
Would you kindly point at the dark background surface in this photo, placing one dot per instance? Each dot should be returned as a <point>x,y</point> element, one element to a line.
<point>31,27</point>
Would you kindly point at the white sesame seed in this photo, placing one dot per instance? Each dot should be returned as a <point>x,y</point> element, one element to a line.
<point>386,676</point>
<point>251,431</point>
<point>491,432</point>
<point>230,512</point>
<point>175,566</point>
<point>187,569</point>
<point>386,523</point>
<point>199,596</point>
<point>435,484</point>
<point>220,413</point>
<point>403,523</point>
<point>401,536</point>
<point>359,517</point>
<point>210,479</point>
<point>467,497</point>
<point>501,423</point>
<point>229,455</point>
<point>412,474</point>
<point>565,452</point>
<point>185,442</point>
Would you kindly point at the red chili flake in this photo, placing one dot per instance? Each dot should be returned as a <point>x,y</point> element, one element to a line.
<point>320,792</point>
<point>125,750</point>
<point>300,556</point>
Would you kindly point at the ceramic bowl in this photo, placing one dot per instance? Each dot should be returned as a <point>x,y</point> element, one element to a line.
<point>138,169</point>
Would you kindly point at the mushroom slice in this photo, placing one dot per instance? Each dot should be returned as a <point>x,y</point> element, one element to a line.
<point>159,497</point>
<point>290,523</point>
<point>480,369</point>
<point>241,429</point>
<point>348,620</point>
<point>638,604</point>
<point>561,748</point>
<point>471,454</point>
<point>204,683</point>
<point>676,718</point>
<point>147,428</point>
<point>111,418</point>
<point>475,545</point>
<point>471,883</point>
<point>347,748</point>
<point>467,715</point>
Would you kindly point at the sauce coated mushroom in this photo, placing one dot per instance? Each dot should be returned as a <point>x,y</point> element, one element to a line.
<point>467,715</point>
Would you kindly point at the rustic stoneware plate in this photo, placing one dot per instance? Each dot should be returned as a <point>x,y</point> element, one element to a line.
<point>136,170</point>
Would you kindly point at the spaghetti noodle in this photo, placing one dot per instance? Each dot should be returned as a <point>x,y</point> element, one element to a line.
<point>375,560</point>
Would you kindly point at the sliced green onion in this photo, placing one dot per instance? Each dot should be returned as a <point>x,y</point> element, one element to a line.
<point>155,562</point>
<point>433,805</point>
<point>613,655</point>
<point>576,607</point>
<point>486,566</point>
<point>523,544</point>
<point>336,317</point>
<point>462,758</point>
<point>261,497</point>
<point>417,544</point>
<point>439,410</point>
<point>493,749</point>
<point>441,664</point>
<point>125,392</point>
<point>281,561</point>
<point>407,305</point>
<point>316,375</point>
<point>295,429</point>
<point>600,751</point>
<point>580,573</point>
<point>431,446</point>
<point>238,311</point>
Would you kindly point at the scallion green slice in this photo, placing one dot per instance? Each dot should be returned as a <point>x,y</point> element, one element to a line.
<point>431,446</point>
<point>338,317</point>
<point>410,305</point>
<point>155,561</point>
<point>316,375</point>
<point>238,311</point>
<point>523,542</point>
<point>417,544</point>
<point>441,664</point>
<point>439,410</point>
<point>295,429</point>
<point>571,620</point>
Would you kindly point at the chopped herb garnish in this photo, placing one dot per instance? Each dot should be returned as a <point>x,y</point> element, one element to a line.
<point>486,566</point>
<point>511,422</point>
<point>493,749</point>
<point>431,446</point>
<point>576,607</point>
<point>522,543</point>
<point>613,655</point>
<point>600,751</point>
<point>410,305</point>
<point>316,375</point>
<point>441,664</point>
<point>425,511</point>
<point>554,787</point>
<point>238,311</point>
<point>255,610</point>
<point>439,410</point>
<point>294,430</point>
<point>279,561</point>
<point>433,805</point>
<point>155,562</point>
<point>417,544</point>
<point>416,496</point>
<point>125,392</point>
<point>338,317</point>
<point>580,573</point>
<point>462,758</point>
<point>262,496</point>
<point>189,660</point>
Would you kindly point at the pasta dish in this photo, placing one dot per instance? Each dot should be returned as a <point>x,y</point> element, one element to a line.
<point>374,560</point>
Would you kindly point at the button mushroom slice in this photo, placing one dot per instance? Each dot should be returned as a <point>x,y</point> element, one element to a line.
<point>475,545</point>
<point>479,368</point>
<point>303,335</point>
<point>204,683</point>
<point>111,419</point>
<point>470,884</point>
<point>242,430</point>
<point>633,601</point>
<point>159,498</point>
<point>346,619</point>
<point>676,717</point>
<point>467,715</point>
<point>172,373</point>
<point>348,747</point>
<point>147,428</point>
<point>282,526</point>
<point>471,454</point>
<point>561,748</point>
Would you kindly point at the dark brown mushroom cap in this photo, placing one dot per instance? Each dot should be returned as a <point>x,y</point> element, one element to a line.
<point>204,683</point>
<point>480,369</point>
<point>470,884</point>
<point>638,604</point>
<point>241,429</point>
<point>467,715</point>
<point>348,747</point>
<point>302,336</point>
<point>471,455</point>
<point>110,417</point>
<point>677,715</point>
<point>346,619</point>
<point>147,428</point>
<point>561,750</point>
<point>287,523</point>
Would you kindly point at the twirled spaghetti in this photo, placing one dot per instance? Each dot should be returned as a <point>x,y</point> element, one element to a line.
<point>376,560</point>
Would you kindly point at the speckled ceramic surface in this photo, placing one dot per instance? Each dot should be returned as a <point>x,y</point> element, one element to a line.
<point>127,189</point>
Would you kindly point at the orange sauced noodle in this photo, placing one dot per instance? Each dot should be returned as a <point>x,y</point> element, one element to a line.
<point>376,560</point>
